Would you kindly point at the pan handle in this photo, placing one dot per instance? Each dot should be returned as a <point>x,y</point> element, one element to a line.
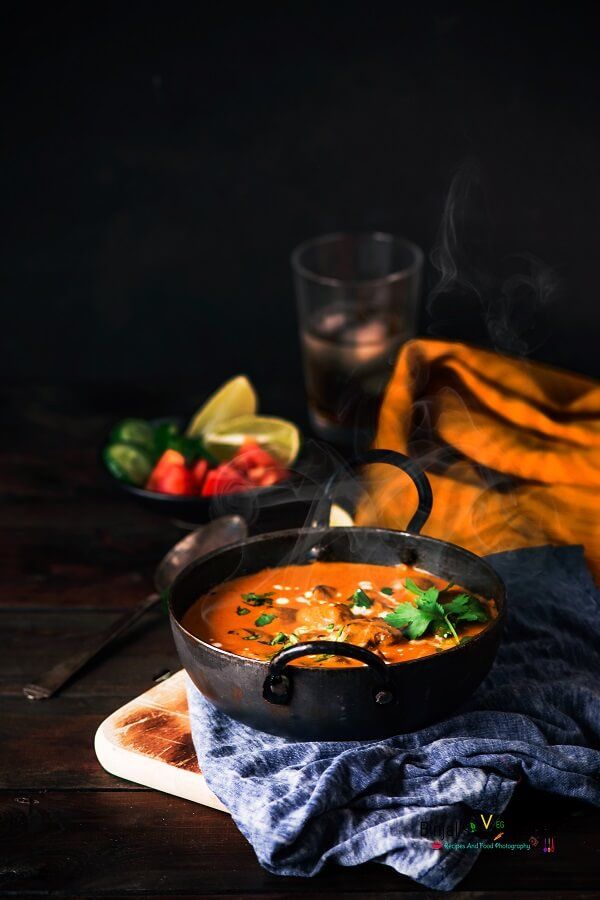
<point>278,685</point>
<point>393,457</point>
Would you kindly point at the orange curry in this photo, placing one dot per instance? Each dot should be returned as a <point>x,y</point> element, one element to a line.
<point>399,612</point>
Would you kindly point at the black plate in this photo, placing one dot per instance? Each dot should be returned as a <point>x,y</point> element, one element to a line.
<point>286,504</point>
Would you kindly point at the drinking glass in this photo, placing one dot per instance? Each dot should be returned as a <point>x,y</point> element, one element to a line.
<point>357,304</point>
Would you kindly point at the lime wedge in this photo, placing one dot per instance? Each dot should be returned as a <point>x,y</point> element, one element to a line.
<point>278,436</point>
<point>235,398</point>
<point>339,517</point>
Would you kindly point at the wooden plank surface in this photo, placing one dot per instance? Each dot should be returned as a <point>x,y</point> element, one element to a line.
<point>141,842</point>
<point>72,554</point>
<point>35,641</point>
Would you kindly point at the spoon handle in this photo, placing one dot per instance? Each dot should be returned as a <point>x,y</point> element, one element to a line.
<point>52,680</point>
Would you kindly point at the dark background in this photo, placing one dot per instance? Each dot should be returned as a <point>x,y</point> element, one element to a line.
<point>161,160</point>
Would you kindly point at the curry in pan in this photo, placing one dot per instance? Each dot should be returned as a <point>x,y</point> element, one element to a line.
<point>399,612</point>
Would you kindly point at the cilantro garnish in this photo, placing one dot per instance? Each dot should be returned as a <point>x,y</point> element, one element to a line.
<point>414,620</point>
<point>280,638</point>
<point>465,608</point>
<point>288,640</point>
<point>387,590</point>
<point>264,619</point>
<point>253,599</point>
<point>431,593</point>
<point>242,611</point>
<point>339,631</point>
<point>251,635</point>
<point>359,598</point>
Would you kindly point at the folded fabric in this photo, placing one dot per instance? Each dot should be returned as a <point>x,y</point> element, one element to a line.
<point>512,450</point>
<point>536,717</point>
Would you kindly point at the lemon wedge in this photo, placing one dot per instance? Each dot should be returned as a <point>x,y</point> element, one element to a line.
<point>339,517</point>
<point>235,398</point>
<point>278,436</point>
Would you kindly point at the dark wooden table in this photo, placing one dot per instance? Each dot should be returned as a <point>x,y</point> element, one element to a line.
<point>73,556</point>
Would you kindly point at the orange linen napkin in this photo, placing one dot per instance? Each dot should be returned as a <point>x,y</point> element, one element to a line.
<point>512,450</point>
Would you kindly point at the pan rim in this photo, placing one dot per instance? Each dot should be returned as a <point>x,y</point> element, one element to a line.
<point>485,634</point>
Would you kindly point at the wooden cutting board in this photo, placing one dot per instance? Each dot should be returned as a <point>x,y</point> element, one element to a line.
<point>149,741</point>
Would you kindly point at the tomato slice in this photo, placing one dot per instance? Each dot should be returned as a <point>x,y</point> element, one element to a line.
<point>171,459</point>
<point>259,466</point>
<point>176,480</point>
<point>225,479</point>
<point>251,467</point>
<point>252,456</point>
<point>199,471</point>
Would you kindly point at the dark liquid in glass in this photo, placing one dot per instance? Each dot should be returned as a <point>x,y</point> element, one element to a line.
<point>348,360</point>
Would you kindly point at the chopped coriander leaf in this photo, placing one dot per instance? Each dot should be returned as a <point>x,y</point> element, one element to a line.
<point>242,610</point>
<point>415,620</point>
<point>280,638</point>
<point>437,613</point>
<point>189,447</point>
<point>253,599</point>
<point>442,630</point>
<point>330,627</point>
<point>411,586</point>
<point>460,608</point>
<point>387,590</point>
<point>430,594</point>
<point>410,619</point>
<point>264,619</point>
<point>359,598</point>
<point>465,608</point>
<point>251,635</point>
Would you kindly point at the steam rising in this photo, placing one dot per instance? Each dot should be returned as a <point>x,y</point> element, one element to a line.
<point>507,300</point>
<point>303,502</point>
<point>510,304</point>
<point>458,242</point>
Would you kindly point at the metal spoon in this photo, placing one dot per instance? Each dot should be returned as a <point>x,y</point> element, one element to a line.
<point>220,533</point>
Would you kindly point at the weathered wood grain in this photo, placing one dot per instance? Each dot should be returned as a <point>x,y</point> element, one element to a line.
<point>49,745</point>
<point>34,641</point>
<point>66,561</point>
<point>73,552</point>
<point>116,842</point>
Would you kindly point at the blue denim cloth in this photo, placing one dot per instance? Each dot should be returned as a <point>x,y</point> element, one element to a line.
<point>535,717</point>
